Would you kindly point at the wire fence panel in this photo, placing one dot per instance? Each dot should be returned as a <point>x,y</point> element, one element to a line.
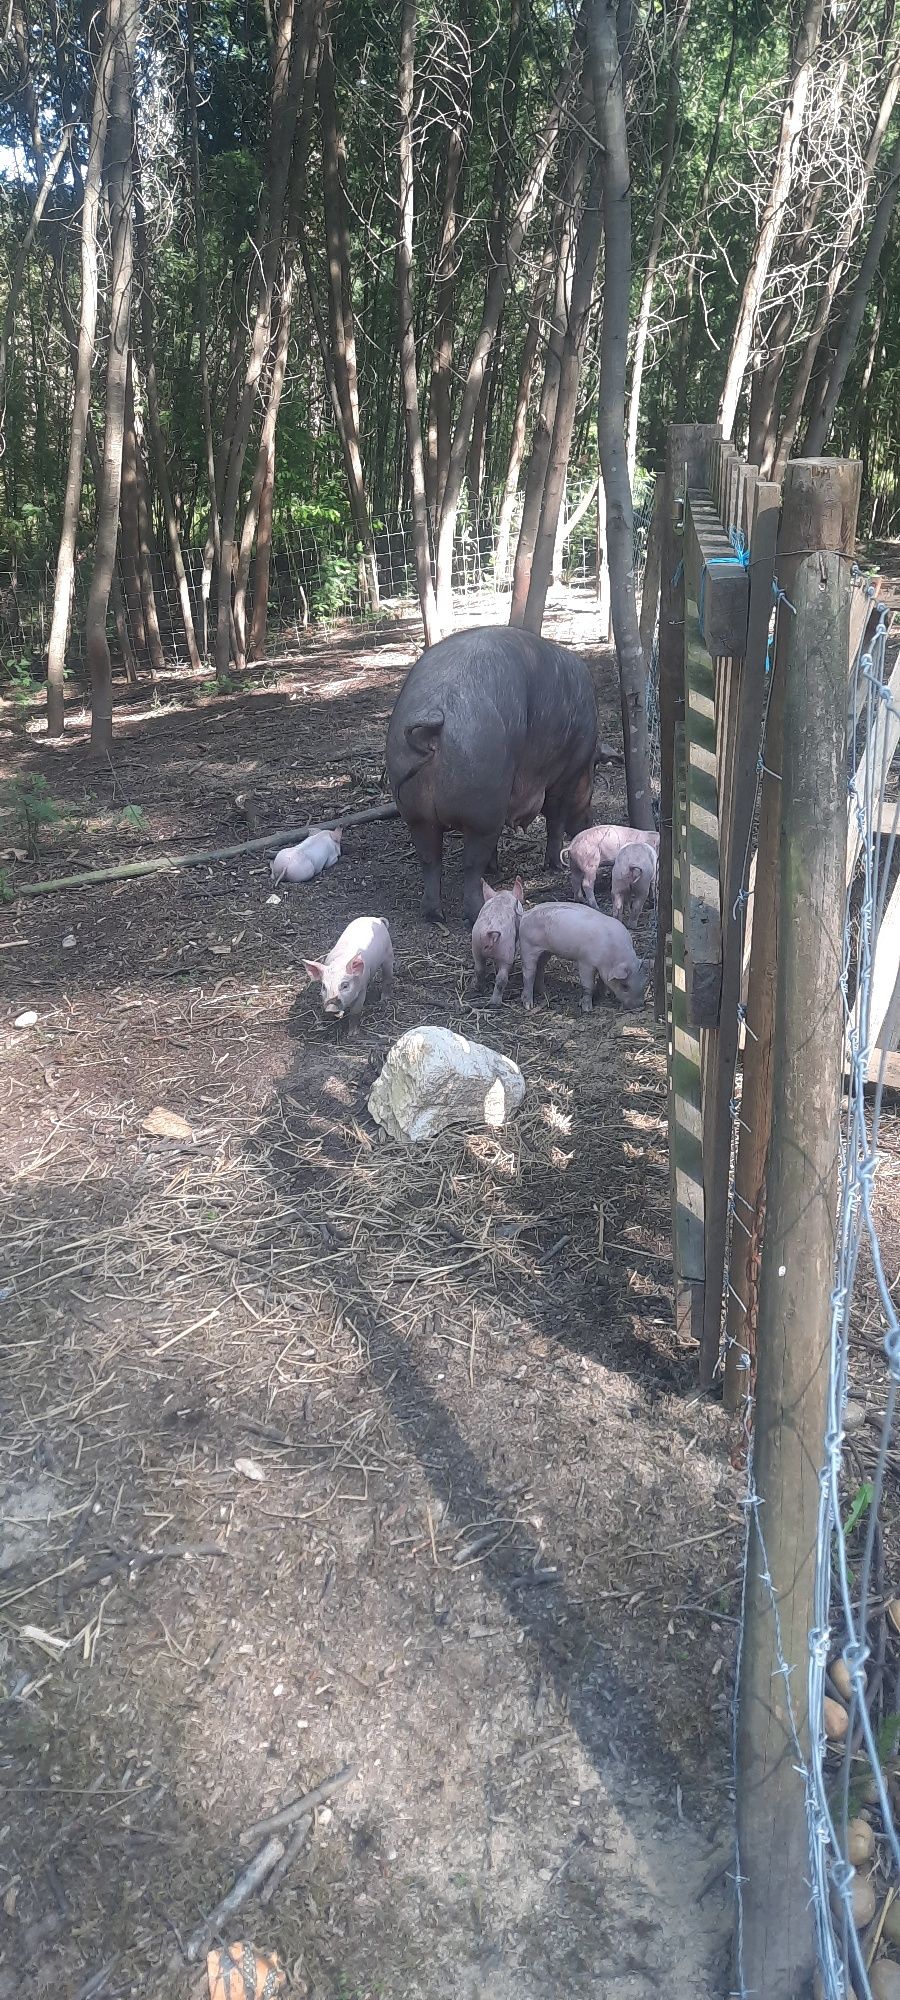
<point>851,1772</point>
<point>311,580</point>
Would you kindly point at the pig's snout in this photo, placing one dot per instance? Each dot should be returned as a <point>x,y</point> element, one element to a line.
<point>335,1007</point>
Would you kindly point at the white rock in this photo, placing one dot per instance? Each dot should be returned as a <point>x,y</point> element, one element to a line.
<point>26,1020</point>
<point>433,1078</point>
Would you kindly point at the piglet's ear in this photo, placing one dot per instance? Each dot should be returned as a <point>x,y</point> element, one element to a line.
<point>312,966</point>
<point>357,963</point>
<point>519,889</point>
<point>487,891</point>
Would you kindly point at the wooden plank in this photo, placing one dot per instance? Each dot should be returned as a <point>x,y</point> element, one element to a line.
<point>863,614</point>
<point>747,694</point>
<point>685,1121</point>
<point>700,890</point>
<point>876,759</point>
<point>884,997</point>
<point>715,578</point>
<point>687,449</point>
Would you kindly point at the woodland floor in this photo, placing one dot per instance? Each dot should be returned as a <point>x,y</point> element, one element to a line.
<point>485,1545</point>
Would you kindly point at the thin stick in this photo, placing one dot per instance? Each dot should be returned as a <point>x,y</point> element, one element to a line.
<point>245,1886</point>
<point>294,1847</point>
<point>295,1811</point>
<point>169,863</point>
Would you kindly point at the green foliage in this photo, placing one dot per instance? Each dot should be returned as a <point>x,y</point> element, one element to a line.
<point>134,819</point>
<point>336,588</point>
<point>859,1506</point>
<point>19,684</point>
<point>30,810</point>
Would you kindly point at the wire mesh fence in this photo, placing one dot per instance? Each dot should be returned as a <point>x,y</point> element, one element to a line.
<point>312,579</point>
<point>850,1760</point>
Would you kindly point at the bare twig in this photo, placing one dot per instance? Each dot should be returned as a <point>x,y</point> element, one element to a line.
<point>288,1814</point>
<point>246,1885</point>
<point>293,1849</point>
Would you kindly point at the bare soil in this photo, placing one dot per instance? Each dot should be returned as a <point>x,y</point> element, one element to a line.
<point>317,1452</point>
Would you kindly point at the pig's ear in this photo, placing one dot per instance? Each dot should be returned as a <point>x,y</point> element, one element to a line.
<point>519,889</point>
<point>357,963</point>
<point>335,832</point>
<point>487,891</point>
<point>622,972</point>
<point>315,970</point>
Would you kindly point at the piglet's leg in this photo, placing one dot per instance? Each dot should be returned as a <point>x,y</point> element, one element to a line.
<point>586,975</point>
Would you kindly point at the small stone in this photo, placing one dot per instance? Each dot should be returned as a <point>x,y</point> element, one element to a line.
<point>27,1020</point>
<point>69,941</point>
<point>854,1414</point>
<point>433,1078</point>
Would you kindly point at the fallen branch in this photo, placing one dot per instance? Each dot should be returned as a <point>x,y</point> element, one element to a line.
<point>288,1814</point>
<point>170,863</point>
<point>246,1885</point>
<point>294,1847</point>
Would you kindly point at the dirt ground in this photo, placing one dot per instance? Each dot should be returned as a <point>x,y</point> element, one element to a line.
<point>319,1453</point>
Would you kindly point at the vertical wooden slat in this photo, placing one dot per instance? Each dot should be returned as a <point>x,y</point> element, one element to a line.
<point>686,447</point>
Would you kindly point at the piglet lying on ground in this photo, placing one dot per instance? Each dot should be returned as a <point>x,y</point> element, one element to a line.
<point>634,878</point>
<point>597,848</point>
<point>320,849</point>
<point>494,935</point>
<point>363,952</point>
<point>598,944</point>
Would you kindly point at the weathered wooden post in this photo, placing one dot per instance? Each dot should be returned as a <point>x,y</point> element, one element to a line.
<point>819,506</point>
<point>821,498</point>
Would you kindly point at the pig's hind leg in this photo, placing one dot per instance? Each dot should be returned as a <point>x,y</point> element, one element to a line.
<point>428,841</point>
<point>477,850</point>
<point>567,810</point>
<point>533,977</point>
<point>500,985</point>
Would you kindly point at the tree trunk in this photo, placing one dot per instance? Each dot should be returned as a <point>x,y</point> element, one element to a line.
<point>406,326</point>
<point>343,330</point>
<point>17,274</point>
<point>440,416</point>
<point>145,542</point>
<point>494,301</point>
<point>572,180</point>
<point>288,69</point>
<point>520,414</point>
<point>587,247</point>
<point>90,206</point>
<point>822,418</point>
<point>684,347</point>
<point>609,105</point>
<point>793,118</point>
<point>825,302</point>
<point>264,476</point>
<point>129,526</point>
<point>153,417</point>
<point>201,312</point>
<point>509,105</point>
<point>117,174</point>
<point>642,324</point>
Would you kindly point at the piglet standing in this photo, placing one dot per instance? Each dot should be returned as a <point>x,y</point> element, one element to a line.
<point>494,934</point>
<point>320,849</point>
<point>598,944</point>
<point>363,952</point>
<point>634,876</point>
<point>597,848</point>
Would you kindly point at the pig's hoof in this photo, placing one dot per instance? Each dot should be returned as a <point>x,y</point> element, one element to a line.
<point>554,867</point>
<point>431,915</point>
<point>528,1005</point>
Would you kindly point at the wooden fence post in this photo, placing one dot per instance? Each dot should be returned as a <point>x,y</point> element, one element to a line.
<point>798,1248</point>
<point>820,499</point>
<point>685,459</point>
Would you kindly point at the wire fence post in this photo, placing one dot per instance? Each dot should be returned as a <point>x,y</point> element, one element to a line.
<point>775,1940</point>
